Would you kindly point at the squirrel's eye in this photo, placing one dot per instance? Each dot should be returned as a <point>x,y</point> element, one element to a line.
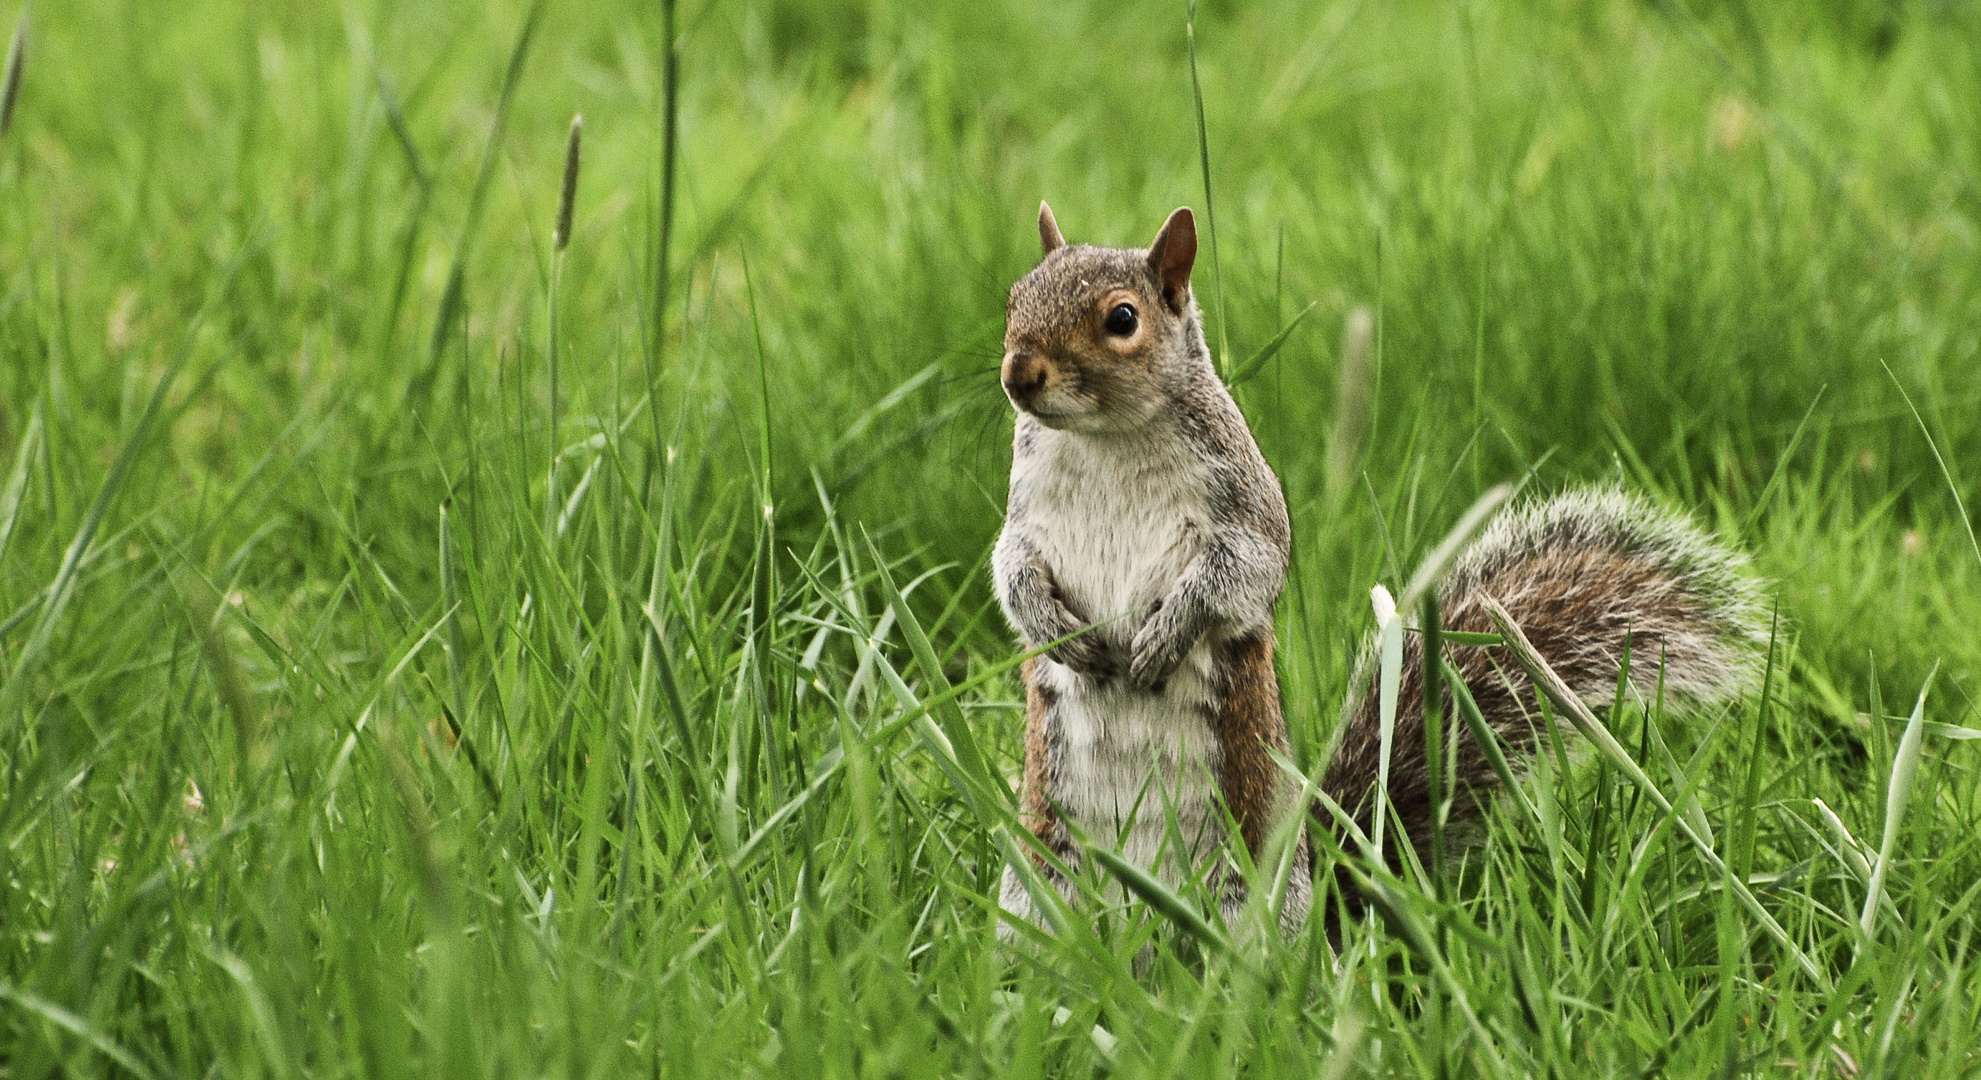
<point>1120,320</point>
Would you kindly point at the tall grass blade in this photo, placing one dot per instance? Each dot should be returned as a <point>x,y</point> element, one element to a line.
<point>17,59</point>
<point>1488,740</point>
<point>1431,625</point>
<point>455,282</point>
<point>1781,466</point>
<point>1210,205</point>
<point>1430,570</point>
<point>670,688</point>
<point>768,472</point>
<point>1959,504</point>
<point>17,479</point>
<point>567,191</point>
<point>1257,361</point>
<point>670,96</point>
<point>567,198</point>
<point>1848,845</point>
<point>1689,805</point>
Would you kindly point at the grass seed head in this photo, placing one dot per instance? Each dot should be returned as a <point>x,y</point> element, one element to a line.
<point>569,194</point>
<point>1351,408</point>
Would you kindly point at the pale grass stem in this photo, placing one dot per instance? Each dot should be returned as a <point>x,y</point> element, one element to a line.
<point>567,197</point>
<point>1848,846</point>
<point>1389,678</point>
<point>1898,794</point>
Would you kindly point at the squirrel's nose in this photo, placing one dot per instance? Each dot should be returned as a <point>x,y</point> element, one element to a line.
<point>1024,375</point>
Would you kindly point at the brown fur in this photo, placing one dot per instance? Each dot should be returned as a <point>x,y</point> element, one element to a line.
<point>1249,728</point>
<point>1035,803</point>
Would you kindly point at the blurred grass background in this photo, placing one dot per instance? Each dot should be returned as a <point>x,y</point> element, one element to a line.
<point>326,755</point>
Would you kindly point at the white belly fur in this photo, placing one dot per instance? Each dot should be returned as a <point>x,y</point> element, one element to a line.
<point>1131,758</point>
<point>1117,530</point>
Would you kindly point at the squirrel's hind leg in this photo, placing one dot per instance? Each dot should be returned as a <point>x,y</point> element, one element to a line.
<point>1036,806</point>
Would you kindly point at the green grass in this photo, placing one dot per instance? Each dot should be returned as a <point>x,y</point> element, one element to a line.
<point>327,749</point>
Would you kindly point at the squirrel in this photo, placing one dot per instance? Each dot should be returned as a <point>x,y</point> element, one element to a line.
<point>1145,545</point>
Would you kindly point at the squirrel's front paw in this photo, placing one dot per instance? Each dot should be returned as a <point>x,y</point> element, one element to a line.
<point>1086,655</point>
<point>1158,647</point>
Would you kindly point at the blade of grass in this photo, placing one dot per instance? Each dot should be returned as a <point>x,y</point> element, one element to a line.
<point>1432,567</point>
<point>1959,504</point>
<point>1898,794</point>
<point>77,1026</point>
<point>1257,361</point>
<point>1488,741</point>
<point>1781,465</point>
<point>450,297</point>
<point>17,57</point>
<point>670,97</point>
<point>1161,898</point>
<point>17,480</point>
<point>1689,805</point>
<point>1433,667</point>
<point>1848,846</point>
<point>1210,207</point>
<point>1462,637</point>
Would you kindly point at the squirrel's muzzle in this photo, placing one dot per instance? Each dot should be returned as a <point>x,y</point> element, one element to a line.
<point>1024,375</point>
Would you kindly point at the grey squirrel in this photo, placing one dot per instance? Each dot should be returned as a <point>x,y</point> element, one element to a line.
<point>1146,541</point>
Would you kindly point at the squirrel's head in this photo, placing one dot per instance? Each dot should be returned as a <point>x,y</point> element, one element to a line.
<point>1094,338</point>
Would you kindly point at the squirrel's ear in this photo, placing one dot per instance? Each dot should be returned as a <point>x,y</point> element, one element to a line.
<point>1172,254</point>
<point>1049,237</point>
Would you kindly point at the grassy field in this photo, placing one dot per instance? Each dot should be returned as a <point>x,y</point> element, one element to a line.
<point>400,680</point>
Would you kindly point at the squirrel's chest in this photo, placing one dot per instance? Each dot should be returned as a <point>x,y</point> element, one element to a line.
<point>1116,528</point>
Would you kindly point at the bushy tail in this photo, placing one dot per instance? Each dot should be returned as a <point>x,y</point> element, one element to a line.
<point>1578,572</point>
